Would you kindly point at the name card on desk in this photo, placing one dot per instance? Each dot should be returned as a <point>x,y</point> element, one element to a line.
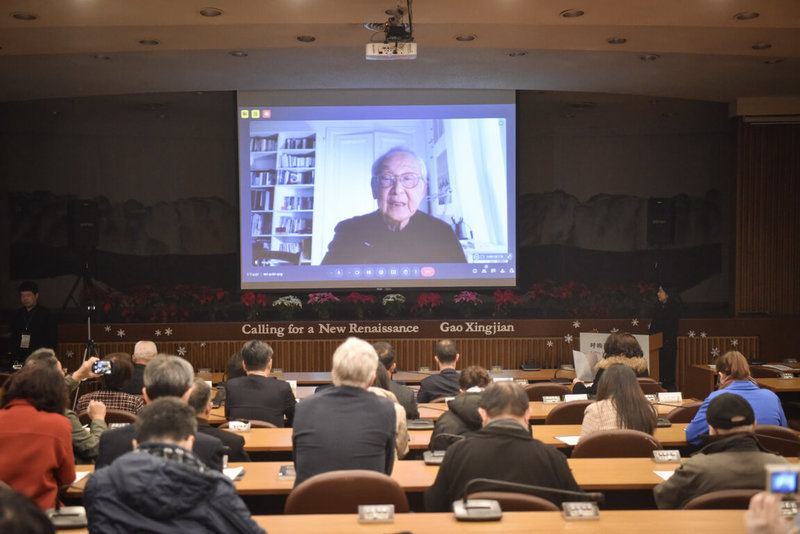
<point>575,396</point>
<point>502,379</point>
<point>651,397</point>
<point>670,396</point>
<point>551,399</point>
<point>787,376</point>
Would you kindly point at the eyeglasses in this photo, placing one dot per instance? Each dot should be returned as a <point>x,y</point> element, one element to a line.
<point>408,180</point>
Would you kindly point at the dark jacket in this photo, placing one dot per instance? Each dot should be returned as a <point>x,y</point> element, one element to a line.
<point>462,417</point>
<point>405,396</point>
<point>115,443</point>
<point>39,323</point>
<point>258,397</point>
<point>143,493</point>
<point>234,442</point>
<point>367,239</point>
<point>639,366</point>
<point>444,384</point>
<point>136,384</point>
<point>503,450</point>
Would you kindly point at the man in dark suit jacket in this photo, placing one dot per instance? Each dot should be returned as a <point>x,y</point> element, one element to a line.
<point>143,352</point>
<point>165,376</point>
<point>200,401</point>
<point>257,395</point>
<point>345,426</point>
<point>444,384</point>
<point>404,394</point>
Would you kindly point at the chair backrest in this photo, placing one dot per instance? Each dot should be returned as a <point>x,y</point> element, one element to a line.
<point>568,413</point>
<point>685,413</point>
<point>616,444</point>
<point>729,499</point>
<point>254,423</point>
<point>650,386</point>
<point>537,390</point>
<point>784,441</point>
<point>340,492</point>
<point>112,417</point>
<point>516,502</point>
<point>758,371</point>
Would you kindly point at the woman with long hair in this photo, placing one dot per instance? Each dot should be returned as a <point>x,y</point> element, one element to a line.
<point>620,404</point>
<point>619,348</point>
<point>35,438</point>
<point>734,377</point>
<point>381,388</point>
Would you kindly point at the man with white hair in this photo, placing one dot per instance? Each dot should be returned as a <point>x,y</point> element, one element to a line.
<point>143,352</point>
<point>345,426</point>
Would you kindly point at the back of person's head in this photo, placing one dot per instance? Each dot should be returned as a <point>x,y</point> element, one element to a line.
<point>235,369</point>
<point>144,351</point>
<point>201,395</point>
<point>20,515</point>
<point>167,420</point>
<point>730,412</point>
<point>622,344</point>
<point>354,363</point>
<point>256,355</point>
<point>634,412</point>
<point>29,285</point>
<point>167,376</point>
<point>734,365</point>
<point>473,376</point>
<point>42,356</point>
<point>504,398</point>
<point>41,384</point>
<point>446,350</point>
<point>386,353</point>
<point>121,371</point>
<point>382,378</point>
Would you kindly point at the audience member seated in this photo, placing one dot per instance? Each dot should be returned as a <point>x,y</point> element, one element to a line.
<point>258,395</point>
<point>345,426</point>
<point>734,460</point>
<point>462,416</point>
<point>734,377</point>
<point>143,352</point>
<point>619,348</point>
<point>381,389</point>
<point>20,515</point>
<point>620,404</point>
<point>200,401</point>
<point>234,369</point>
<point>35,438</point>
<point>503,449</point>
<point>162,486</point>
<point>85,443</point>
<point>405,395</point>
<point>164,376</point>
<point>444,384</point>
<point>110,392</point>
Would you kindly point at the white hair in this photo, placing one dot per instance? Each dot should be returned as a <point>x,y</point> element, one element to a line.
<point>144,351</point>
<point>354,363</point>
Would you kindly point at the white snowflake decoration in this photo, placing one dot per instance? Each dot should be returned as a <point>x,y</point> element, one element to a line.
<point>70,354</point>
<point>734,342</point>
<point>549,343</point>
<point>568,338</point>
<point>715,352</point>
<point>181,351</point>
<point>614,330</point>
<point>692,334</point>
<point>634,322</point>
<point>121,333</point>
<point>703,334</point>
<point>576,324</point>
<point>168,331</point>
<point>203,345</point>
<point>107,328</point>
<point>157,332</point>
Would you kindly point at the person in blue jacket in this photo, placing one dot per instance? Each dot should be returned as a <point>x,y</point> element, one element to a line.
<point>734,377</point>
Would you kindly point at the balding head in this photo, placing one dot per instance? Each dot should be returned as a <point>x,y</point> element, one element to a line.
<point>144,351</point>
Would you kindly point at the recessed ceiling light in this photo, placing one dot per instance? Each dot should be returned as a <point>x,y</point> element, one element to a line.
<point>238,53</point>
<point>617,40</point>
<point>761,45</point>
<point>101,57</point>
<point>306,38</point>
<point>774,61</point>
<point>571,13</point>
<point>466,37</point>
<point>518,53</point>
<point>649,57</point>
<point>211,12</point>
<point>22,15</point>
<point>149,42</point>
<point>746,15</point>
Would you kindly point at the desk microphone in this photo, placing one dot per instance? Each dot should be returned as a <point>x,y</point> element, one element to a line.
<point>451,437</point>
<point>66,516</point>
<point>489,510</point>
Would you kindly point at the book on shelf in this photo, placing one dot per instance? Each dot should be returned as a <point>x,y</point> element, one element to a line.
<point>294,143</point>
<point>257,224</point>
<point>291,160</point>
<point>263,144</point>
<point>297,203</point>
<point>293,225</point>
<point>296,177</point>
<point>263,178</point>
<point>260,199</point>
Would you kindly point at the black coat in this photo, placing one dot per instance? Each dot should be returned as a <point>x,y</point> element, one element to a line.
<point>39,323</point>
<point>462,417</point>
<point>405,396</point>
<point>257,397</point>
<point>234,442</point>
<point>115,443</point>
<point>444,384</point>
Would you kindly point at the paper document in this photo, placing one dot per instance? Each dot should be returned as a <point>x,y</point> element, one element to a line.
<point>233,472</point>
<point>664,474</point>
<point>80,475</point>
<point>569,440</point>
<point>584,365</point>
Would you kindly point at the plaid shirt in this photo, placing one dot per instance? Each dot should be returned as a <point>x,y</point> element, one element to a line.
<point>114,400</point>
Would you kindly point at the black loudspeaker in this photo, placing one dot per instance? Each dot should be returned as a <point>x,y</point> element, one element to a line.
<point>660,221</point>
<point>82,224</point>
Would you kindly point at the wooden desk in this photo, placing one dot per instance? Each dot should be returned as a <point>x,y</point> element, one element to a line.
<point>779,385</point>
<point>610,522</point>
<point>674,436</point>
<point>415,377</point>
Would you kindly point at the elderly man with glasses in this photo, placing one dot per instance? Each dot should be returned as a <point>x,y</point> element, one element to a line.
<point>396,232</point>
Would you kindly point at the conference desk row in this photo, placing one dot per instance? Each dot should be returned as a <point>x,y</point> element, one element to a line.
<point>415,377</point>
<point>610,522</point>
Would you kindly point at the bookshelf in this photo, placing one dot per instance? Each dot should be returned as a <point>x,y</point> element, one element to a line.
<point>282,178</point>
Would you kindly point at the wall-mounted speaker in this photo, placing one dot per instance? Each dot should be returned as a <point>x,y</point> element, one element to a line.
<point>660,222</point>
<point>82,218</point>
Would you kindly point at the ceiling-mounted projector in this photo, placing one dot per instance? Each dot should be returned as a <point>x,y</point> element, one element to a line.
<point>386,51</point>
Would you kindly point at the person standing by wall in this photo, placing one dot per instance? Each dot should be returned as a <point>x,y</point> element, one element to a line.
<point>666,318</point>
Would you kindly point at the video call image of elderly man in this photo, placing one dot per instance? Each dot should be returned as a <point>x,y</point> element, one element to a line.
<point>397,232</point>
